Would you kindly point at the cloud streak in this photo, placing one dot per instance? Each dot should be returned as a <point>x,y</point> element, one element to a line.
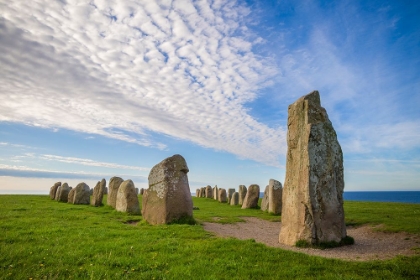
<point>125,70</point>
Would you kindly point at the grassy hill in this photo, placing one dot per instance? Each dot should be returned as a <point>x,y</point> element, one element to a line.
<point>45,239</point>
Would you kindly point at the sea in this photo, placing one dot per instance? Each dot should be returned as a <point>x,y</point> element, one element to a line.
<point>385,196</point>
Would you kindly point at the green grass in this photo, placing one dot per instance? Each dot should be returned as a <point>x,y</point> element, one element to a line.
<point>45,239</point>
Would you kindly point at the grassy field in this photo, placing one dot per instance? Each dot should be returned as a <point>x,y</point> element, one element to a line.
<point>45,239</point>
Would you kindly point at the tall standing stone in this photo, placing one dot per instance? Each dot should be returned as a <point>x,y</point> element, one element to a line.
<point>70,197</point>
<point>235,199</point>
<point>209,192</point>
<point>251,197</point>
<point>265,200</point>
<point>168,197</point>
<point>98,193</point>
<point>229,194</point>
<point>53,190</point>
<point>197,193</point>
<point>114,184</point>
<point>242,193</point>
<point>222,195</point>
<point>127,199</point>
<point>57,193</point>
<point>64,193</point>
<point>275,194</point>
<point>216,193</point>
<point>203,192</point>
<point>312,207</point>
<point>81,194</point>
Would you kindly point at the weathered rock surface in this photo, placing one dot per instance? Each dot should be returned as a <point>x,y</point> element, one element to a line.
<point>222,195</point>
<point>70,197</point>
<point>197,192</point>
<point>275,194</point>
<point>234,199</point>
<point>168,197</point>
<point>242,193</point>
<point>209,192</point>
<point>127,199</point>
<point>57,193</point>
<point>312,207</point>
<point>216,193</point>
<point>98,193</point>
<point>81,194</point>
<point>64,193</point>
<point>114,184</point>
<point>265,200</point>
<point>251,197</point>
<point>230,192</point>
<point>203,192</point>
<point>53,190</point>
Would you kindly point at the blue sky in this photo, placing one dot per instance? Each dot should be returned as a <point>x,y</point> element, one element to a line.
<point>95,89</point>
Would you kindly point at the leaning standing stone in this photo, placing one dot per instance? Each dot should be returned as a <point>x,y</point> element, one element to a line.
<point>235,199</point>
<point>127,199</point>
<point>265,200</point>
<point>222,195</point>
<point>64,193</point>
<point>275,194</point>
<point>53,190</point>
<point>168,198</point>
<point>57,193</point>
<point>98,193</point>
<point>229,194</point>
<point>242,194</point>
<point>252,196</point>
<point>312,207</point>
<point>70,197</point>
<point>81,194</point>
<point>114,184</point>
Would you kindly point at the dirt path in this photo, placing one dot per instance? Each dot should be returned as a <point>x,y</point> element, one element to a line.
<point>369,244</point>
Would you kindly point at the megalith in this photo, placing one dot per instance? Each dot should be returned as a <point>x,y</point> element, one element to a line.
<point>57,193</point>
<point>234,199</point>
<point>203,192</point>
<point>242,193</point>
<point>81,194</point>
<point>222,195</point>
<point>114,184</point>
<point>127,199</point>
<point>229,194</point>
<point>53,190</point>
<point>98,193</point>
<point>64,193</point>
<point>168,198</point>
<point>70,197</point>
<point>312,206</point>
<point>251,197</point>
<point>209,192</point>
<point>275,194</point>
<point>197,192</point>
<point>265,200</point>
<point>216,193</point>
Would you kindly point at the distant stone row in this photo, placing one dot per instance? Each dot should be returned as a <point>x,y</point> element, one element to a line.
<point>248,198</point>
<point>167,199</point>
<point>123,196</point>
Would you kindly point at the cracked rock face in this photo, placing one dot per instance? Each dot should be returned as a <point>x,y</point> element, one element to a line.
<point>168,197</point>
<point>312,206</point>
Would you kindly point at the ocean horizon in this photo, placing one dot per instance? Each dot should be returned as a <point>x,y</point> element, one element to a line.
<point>378,196</point>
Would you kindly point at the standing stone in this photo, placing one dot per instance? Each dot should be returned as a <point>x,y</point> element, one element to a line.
<point>64,193</point>
<point>229,194</point>
<point>127,199</point>
<point>197,193</point>
<point>137,191</point>
<point>70,197</point>
<point>216,193</point>
<point>242,194</point>
<point>114,184</point>
<point>98,193</point>
<point>57,193</point>
<point>235,199</point>
<point>222,195</point>
<point>141,191</point>
<point>251,197</point>
<point>275,193</point>
<point>312,207</point>
<point>203,192</point>
<point>53,190</point>
<point>168,198</point>
<point>106,190</point>
<point>81,194</point>
<point>209,192</point>
<point>265,200</point>
<point>91,191</point>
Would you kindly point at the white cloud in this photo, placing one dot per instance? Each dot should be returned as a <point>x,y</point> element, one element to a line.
<point>125,69</point>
